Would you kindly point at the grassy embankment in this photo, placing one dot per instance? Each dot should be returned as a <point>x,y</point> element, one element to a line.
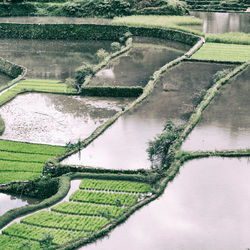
<point>24,161</point>
<point>183,23</point>
<point>223,52</point>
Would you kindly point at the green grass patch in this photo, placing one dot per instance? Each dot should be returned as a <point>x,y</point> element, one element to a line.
<point>63,221</point>
<point>87,209</point>
<point>9,176</point>
<point>29,85</point>
<point>30,232</point>
<point>173,22</point>
<point>112,185</point>
<point>20,161</point>
<point>105,198</point>
<point>10,243</point>
<point>223,52</point>
<point>232,38</point>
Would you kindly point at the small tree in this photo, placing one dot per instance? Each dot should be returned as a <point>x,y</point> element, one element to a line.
<point>101,54</point>
<point>115,46</point>
<point>81,73</point>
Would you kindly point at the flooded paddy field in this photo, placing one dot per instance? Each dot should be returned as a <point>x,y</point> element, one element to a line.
<point>205,207</point>
<point>225,122</point>
<point>214,22</point>
<point>55,59</point>
<point>124,144</point>
<point>11,202</point>
<point>56,119</point>
<point>136,66</point>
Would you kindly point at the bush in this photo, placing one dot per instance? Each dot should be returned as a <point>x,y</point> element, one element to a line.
<point>115,46</point>
<point>81,73</point>
<point>220,74</point>
<point>159,147</point>
<point>101,54</point>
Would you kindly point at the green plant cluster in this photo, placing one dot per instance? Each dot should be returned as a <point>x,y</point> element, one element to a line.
<point>24,161</point>
<point>10,69</point>
<point>30,232</point>
<point>92,8</point>
<point>105,198</point>
<point>88,209</point>
<point>112,185</point>
<point>67,222</point>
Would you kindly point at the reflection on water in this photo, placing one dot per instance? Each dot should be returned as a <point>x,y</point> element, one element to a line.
<point>205,207</point>
<point>124,144</point>
<point>224,22</point>
<point>54,59</point>
<point>135,67</point>
<point>4,79</point>
<point>8,202</point>
<point>56,119</point>
<point>225,122</point>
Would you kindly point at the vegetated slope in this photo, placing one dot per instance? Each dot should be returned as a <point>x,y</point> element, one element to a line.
<point>92,8</point>
<point>99,202</point>
<point>223,52</point>
<point>218,5</point>
<point>24,161</point>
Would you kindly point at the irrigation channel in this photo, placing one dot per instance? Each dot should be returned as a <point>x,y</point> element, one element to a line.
<point>209,197</point>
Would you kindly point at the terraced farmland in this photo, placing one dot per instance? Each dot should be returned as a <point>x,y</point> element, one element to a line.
<point>24,161</point>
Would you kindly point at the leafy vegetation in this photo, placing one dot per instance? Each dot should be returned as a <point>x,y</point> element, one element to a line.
<point>105,198</point>
<point>63,221</point>
<point>111,185</point>
<point>223,52</point>
<point>24,161</point>
<point>158,149</point>
<point>30,232</point>
<point>174,22</point>
<point>88,209</point>
<point>231,37</point>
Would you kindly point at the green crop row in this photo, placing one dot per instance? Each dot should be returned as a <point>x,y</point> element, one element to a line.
<point>223,52</point>
<point>9,176</point>
<point>118,199</point>
<point>88,209</point>
<point>112,185</point>
<point>231,37</point>
<point>23,147</point>
<point>10,243</point>
<point>63,221</point>
<point>20,166</point>
<point>38,233</point>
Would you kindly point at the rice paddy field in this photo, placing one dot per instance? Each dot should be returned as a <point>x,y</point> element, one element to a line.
<point>92,200</point>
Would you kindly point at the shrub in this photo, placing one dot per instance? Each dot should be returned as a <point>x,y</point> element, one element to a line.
<point>159,147</point>
<point>221,74</point>
<point>115,46</point>
<point>101,54</point>
<point>81,73</point>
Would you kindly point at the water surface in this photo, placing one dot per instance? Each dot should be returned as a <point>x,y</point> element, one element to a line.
<point>224,22</point>
<point>225,124</point>
<point>53,59</point>
<point>205,207</point>
<point>56,119</point>
<point>124,144</point>
<point>8,202</point>
<point>136,66</point>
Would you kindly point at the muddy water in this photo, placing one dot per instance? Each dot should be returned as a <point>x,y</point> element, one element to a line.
<point>225,124</point>
<point>8,202</point>
<point>4,79</point>
<point>124,144</point>
<point>203,208</point>
<point>136,66</point>
<point>54,59</point>
<point>224,22</point>
<point>56,119</point>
